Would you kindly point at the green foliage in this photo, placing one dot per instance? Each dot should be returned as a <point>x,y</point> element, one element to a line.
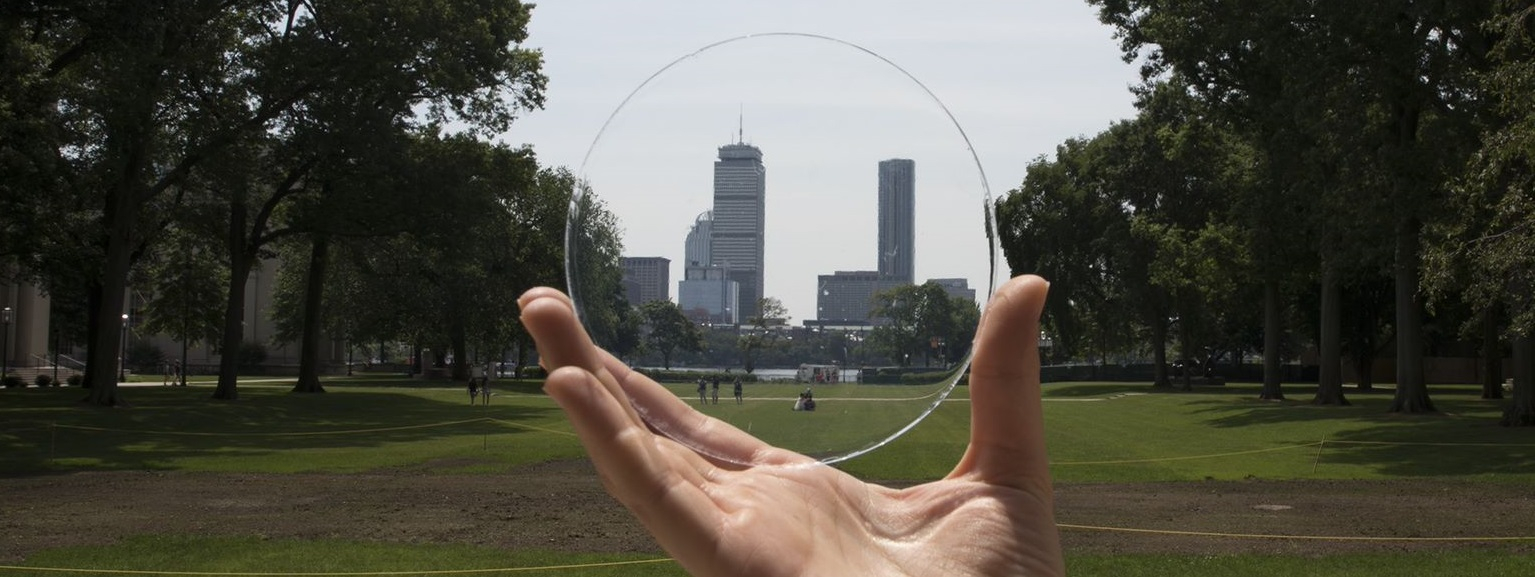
<point>668,330</point>
<point>12,382</point>
<point>144,357</point>
<point>594,272</point>
<point>925,323</point>
<point>138,121</point>
<point>251,356</point>
<point>770,313</point>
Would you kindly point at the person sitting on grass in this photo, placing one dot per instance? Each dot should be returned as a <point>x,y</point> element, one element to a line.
<point>745,508</point>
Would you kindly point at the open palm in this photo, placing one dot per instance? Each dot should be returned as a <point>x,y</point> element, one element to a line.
<point>757,510</point>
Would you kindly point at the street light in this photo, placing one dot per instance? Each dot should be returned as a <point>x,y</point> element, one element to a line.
<point>122,361</point>
<point>5,343</point>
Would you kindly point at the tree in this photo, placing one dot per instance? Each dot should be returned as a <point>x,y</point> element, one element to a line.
<point>1401,70</point>
<point>1054,225</point>
<point>1485,253</point>
<point>594,271</point>
<point>133,100</point>
<point>668,330</point>
<point>184,285</point>
<point>924,322</point>
<point>760,335</point>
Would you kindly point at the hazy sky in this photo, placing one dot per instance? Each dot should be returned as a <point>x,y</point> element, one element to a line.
<point>1018,77</point>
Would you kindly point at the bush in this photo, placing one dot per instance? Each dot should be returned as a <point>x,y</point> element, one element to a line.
<point>42,381</point>
<point>75,380</point>
<point>932,377</point>
<point>252,355</point>
<point>144,357</point>
<point>12,382</point>
<point>665,376</point>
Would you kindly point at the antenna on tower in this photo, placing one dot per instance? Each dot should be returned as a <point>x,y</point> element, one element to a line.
<point>741,126</point>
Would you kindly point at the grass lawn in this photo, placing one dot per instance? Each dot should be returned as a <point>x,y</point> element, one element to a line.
<point>250,556</point>
<point>1098,432</point>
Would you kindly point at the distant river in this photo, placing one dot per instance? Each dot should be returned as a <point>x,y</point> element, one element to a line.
<point>848,375</point>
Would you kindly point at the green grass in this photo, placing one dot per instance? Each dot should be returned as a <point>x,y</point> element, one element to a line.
<point>1123,432</point>
<point>848,416</point>
<point>214,555</point>
<point>1134,433</point>
<point>1488,563</point>
<point>1097,432</point>
<point>257,555</point>
<point>387,424</point>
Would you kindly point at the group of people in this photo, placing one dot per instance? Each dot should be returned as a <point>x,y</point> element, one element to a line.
<point>173,373</point>
<point>709,390</point>
<point>479,384</point>
<point>806,401</point>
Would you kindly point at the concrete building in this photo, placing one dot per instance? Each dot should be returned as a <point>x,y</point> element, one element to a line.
<point>955,287</point>
<point>847,297</point>
<point>24,324</point>
<point>647,278</point>
<point>897,218</point>
<point>738,227</point>
<point>695,250</point>
<point>28,345</point>
<point>708,296</point>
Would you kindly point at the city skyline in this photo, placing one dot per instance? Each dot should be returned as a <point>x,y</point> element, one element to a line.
<point>825,114</point>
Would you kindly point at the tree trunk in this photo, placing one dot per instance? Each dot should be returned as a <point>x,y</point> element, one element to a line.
<point>234,305</point>
<point>314,293</point>
<point>1271,338</point>
<point>1159,352</point>
<point>1411,389</point>
<point>106,345</point>
<point>1186,350</point>
<point>1492,355</point>
<point>1365,366</point>
<point>1521,411</point>
<point>1330,378</point>
<point>459,342</point>
<point>92,304</point>
<point>522,357</point>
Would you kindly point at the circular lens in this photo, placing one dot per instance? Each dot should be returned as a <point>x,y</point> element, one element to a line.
<point>792,234</point>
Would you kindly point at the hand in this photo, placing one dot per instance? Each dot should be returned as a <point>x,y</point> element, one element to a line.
<point>782,514</point>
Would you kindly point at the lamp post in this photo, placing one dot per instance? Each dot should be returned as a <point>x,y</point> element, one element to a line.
<point>5,343</point>
<point>122,361</point>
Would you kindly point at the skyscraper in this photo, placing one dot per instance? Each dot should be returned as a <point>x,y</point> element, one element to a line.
<point>736,236</point>
<point>695,251</point>
<point>897,218</point>
<point>706,293</point>
<point>646,278</point>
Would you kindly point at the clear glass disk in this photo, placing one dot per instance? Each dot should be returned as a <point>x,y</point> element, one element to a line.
<point>796,214</point>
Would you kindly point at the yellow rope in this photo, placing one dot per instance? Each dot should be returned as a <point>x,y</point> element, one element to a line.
<point>1291,537</point>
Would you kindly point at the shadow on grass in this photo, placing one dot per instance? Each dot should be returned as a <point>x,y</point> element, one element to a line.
<point>165,425</point>
<point>1462,438</point>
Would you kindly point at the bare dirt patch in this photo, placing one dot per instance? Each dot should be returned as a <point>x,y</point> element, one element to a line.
<point>562,506</point>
